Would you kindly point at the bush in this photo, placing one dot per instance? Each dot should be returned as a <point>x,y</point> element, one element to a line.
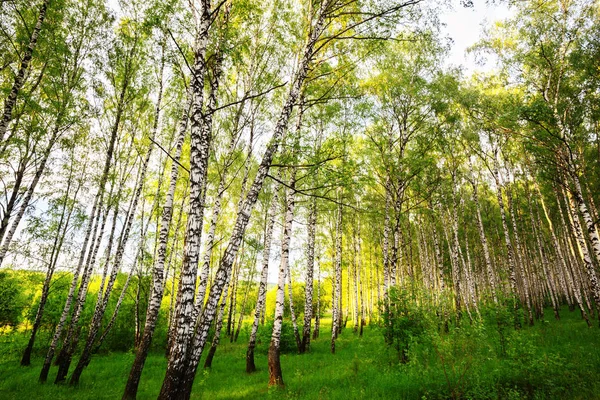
<point>287,341</point>
<point>11,299</point>
<point>404,321</point>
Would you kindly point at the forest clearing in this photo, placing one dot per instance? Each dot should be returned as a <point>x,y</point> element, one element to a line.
<point>300,199</point>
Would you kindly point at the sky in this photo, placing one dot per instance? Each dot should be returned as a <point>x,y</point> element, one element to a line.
<point>465,25</point>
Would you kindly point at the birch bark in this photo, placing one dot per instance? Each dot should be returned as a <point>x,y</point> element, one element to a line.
<point>337,288</point>
<point>176,391</point>
<point>11,100</point>
<point>310,263</point>
<point>199,154</point>
<point>158,281</point>
<point>275,373</point>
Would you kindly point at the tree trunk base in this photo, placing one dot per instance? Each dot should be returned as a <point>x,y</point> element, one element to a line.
<point>63,370</point>
<point>305,344</point>
<point>26,359</point>
<point>210,356</point>
<point>250,366</point>
<point>275,376</point>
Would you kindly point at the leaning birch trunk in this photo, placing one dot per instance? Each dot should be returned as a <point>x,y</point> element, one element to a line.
<point>158,281</point>
<point>56,247</point>
<point>172,386</point>
<point>30,191</point>
<point>233,298</point>
<point>508,243</point>
<point>583,249</point>
<point>171,317</point>
<point>536,225</point>
<point>235,277</point>
<point>71,340</point>
<point>97,206</point>
<point>291,202</point>
<point>11,202</point>
<point>318,307</point>
<point>262,287</point>
<point>73,328</point>
<point>210,238</point>
<point>11,100</point>
<point>561,251</point>
<point>355,279</point>
<point>108,252</point>
<point>337,289</point>
<point>386,240</point>
<point>233,305</point>
<point>99,314</point>
<point>456,273</point>
<point>484,243</point>
<point>113,318</point>
<point>199,153</point>
<point>310,264</point>
<point>570,262</point>
<point>587,218</point>
<point>521,262</point>
<point>208,126</point>
<point>67,308</point>
<point>218,328</point>
<point>275,374</point>
<point>566,284</point>
<point>101,307</point>
<point>568,237</point>
<point>73,334</point>
<point>210,244</point>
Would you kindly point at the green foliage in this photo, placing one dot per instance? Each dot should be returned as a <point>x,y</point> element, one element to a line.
<point>299,300</point>
<point>11,299</point>
<point>287,342</point>
<point>552,360</point>
<point>404,321</point>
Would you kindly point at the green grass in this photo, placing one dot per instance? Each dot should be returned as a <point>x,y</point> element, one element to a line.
<point>552,360</point>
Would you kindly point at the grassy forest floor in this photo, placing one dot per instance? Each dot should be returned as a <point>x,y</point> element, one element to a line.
<point>552,360</point>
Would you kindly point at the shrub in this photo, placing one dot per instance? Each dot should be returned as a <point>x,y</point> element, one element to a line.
<point>287,341</point>
<point>404,320</point>
<point>11,300</point>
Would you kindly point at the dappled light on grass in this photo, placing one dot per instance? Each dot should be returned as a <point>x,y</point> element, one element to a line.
<point>551,360</point>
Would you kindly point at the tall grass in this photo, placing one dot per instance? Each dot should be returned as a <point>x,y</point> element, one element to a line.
<point>552,360</point>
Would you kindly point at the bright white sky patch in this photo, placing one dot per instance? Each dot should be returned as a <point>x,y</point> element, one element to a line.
<point>465,26</point>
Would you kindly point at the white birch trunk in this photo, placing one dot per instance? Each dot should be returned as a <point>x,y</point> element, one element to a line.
<point>310,263</point>
<point>262,287</point>
<point>337,288</point>
<point>199,154</point>
<point>170,391</point>
<point>11,100</point>
<point>275,373</point>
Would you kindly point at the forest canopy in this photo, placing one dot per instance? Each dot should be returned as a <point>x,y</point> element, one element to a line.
<point>306,184</point>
